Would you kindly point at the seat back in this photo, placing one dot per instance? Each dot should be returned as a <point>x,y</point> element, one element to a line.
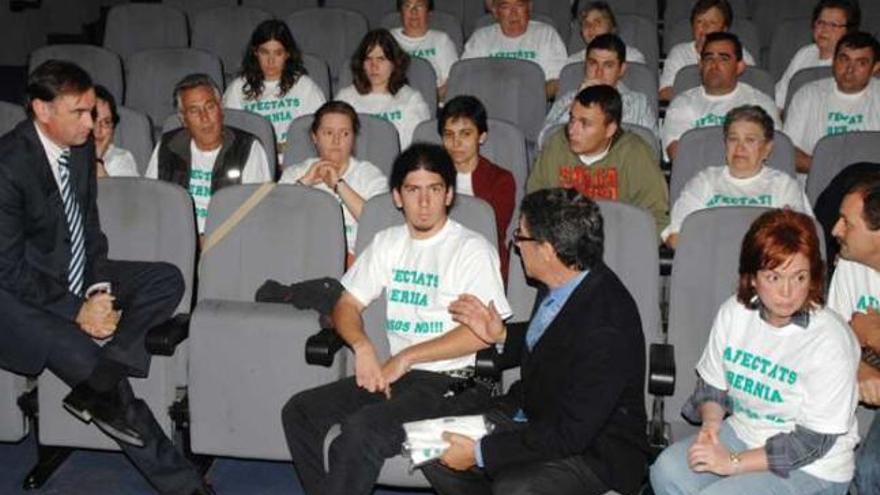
<point>689,77</point>
<point>104,66</point>
<point>505,146</point>
<point>373,11</point>
<point>152,75</point>
<point>437,19</point>
<point>511,90</point>
<point>134,132</point>
<point>704,147</point>
<point>789,36</point>
<point>648,137</point>
<point>193,8</point>
<point>319,73</point>
<point>281,8</point>
<point>376,142</point>
<point>834,153</point>
<point>379,214</point>
<point>803,77</point>
<point>768,15</point>
<point>332,34</point>
<point>10,116</point>
<point>13,423</point>
<point>133,27</point>
<point>635,7</point>
<point>559,13</point>
<point>246,121</point>
<point>420,75</point>
<point>225,32</point>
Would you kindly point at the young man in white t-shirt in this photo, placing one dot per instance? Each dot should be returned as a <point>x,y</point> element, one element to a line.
<point>516,36</point>
<point>721,64</point>
<point>422,267</point>
<point>855,295</point>
<point>850,101</point>
<point>416,39</point>
<point>204,155</point>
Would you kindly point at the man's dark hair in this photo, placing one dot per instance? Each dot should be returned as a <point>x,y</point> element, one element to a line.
<point>869,190</point>
<point>725,36</point>
<point>336,106</point>
<point>858,40</point>
<point>401,2</point>
<point>610,42</point>
<point>104,94</point>
<point>606,97</point>
<point>423,156</point>
<point>850,9</point>
<point>54,78</point>
<point>398,58</point>
<point>464,106</point>
<point>194,81</point>
<point>703,6</point>
<point>570,222</point>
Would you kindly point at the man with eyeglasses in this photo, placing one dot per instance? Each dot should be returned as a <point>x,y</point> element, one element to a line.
<point>847,102</point>
<point>204,155</point>
<point>721,65</point>
<point>831,20</point>
<point>575,423</point>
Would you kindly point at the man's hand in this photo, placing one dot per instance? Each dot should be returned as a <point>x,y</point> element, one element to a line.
<point>96,316</point>
<point>394,368</point>
<point>460,454</point>
<point>867,328</point>
<point>869,384</point>
<point>484,321</point>
<point>708,454</point>
<point>367,371</point>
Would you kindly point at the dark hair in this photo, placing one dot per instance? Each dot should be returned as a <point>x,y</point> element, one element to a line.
<point>571,222</point>
<point>753,114</point>
<point>869,190</point>
<point>383,39</point>
<point>857,40</point>
<point>401,2</point>
<point>850,9</point>
<point>774,237</point>
<point>104,94</point>
<point>340,107</point>
<point>606,97</point>
<point>725,36</point>
<point>54,78</point>
<point>703,6</point>
<point>610,42</point>
<point>601,7</point>
<point>270,30</point>
<point>192,81</point>
<point>422,156</point>
<point>464,106</point>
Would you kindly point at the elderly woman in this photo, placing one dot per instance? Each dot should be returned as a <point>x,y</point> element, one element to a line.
<point>380,86</point>
<point>111,161</point>
<point>335,170</point>
<point>744,181</point>
<point>597,18</point>
<point>783,367</point>
<point>416,39</point>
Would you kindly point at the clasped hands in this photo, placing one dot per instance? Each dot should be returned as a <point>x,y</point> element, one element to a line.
<point>97,317</point>
<point>322,171</point>
<point>708,455</point>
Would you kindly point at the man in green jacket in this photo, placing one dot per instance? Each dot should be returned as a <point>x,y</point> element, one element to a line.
<point>594,155</point>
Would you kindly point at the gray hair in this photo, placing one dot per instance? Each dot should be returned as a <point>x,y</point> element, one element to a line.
<point>194,81</point>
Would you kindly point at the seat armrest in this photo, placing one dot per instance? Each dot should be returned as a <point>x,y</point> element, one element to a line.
<point>163,339</point>
<point>487,363</point>
<point>323,346</point>
<point>661,375</point>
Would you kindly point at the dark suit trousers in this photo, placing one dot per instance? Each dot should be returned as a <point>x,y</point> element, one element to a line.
<point>147,293</point>
<point>371,425</point>
<point>568,476</point>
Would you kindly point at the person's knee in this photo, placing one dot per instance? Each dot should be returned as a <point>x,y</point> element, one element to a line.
<point>516,482</point>
<point>867,475</point>
<point>368,431</point>
<point>170,276</point>
<point>293,413</point>
<point>663,473</point>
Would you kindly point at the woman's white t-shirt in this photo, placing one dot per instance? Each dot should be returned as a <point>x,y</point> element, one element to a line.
<point>405,110</point>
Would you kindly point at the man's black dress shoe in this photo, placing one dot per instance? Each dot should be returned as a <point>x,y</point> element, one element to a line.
<point>105,409</point>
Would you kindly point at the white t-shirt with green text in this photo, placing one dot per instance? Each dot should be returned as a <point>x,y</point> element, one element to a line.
<point>540,44</point>
<point>365,178</point>
<point>405,110</point>
<point>778,378</point>
<point>435,47</point>
<point>421,277</point>
<point>819,109</point>
<point>855,288</point>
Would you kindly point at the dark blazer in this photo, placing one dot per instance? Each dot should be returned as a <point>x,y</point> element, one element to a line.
<point>35,242</point>
<point>582,388</point>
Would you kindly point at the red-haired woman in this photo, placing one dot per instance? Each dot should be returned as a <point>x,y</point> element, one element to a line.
<point>783,367</point>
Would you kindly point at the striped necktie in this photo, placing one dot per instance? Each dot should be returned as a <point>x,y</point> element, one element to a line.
<point>76,268</point>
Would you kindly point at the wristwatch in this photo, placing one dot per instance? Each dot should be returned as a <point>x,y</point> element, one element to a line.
<point>735,461</point>
<point>336,186</point>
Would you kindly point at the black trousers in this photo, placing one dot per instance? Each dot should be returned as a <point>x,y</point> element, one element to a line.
<point>568,476</point>
<point>147,293</point>
<point>371,426</point>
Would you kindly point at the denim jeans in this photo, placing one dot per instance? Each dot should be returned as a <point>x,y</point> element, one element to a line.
<point>867,478</point>
<point>671,475</point>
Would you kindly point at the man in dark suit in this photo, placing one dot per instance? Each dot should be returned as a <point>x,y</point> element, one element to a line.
<point>575,423</point>
<point>58,291</point>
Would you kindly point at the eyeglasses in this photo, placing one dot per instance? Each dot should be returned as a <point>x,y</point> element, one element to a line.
<point>518,237</point>
<point>826,24</point>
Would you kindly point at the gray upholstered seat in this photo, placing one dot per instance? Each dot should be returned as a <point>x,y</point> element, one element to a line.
<point>13,423</point>
<point>133,27</point>
<point>332,34</point>
<point>834,153</point>
<point>10,116</point>
<point>373,10</point>
<point>226,31</point>
<point>280,8</point>
<point>195,7</point>
<point>788,37</point>
<point>103,65</point>
<point>134,132</point>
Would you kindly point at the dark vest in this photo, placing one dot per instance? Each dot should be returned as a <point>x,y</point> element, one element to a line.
<point>175,162</point>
